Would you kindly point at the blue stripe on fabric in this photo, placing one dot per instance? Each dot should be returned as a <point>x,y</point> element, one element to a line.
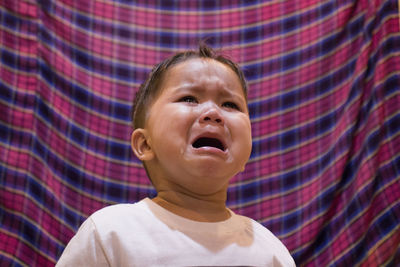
<point>203,6</point>
<point>5,133</point>
<point>249,192</point>
<point>113,149</point>
<point>84,97</point>
<point>290,139</point>
<point>389,46</point>
<point>352,210</point>
<point>292,221</point>
<point>288,61</point>
<point>26,183</point>
<point>30,233</point>
<point>96,64</point>
<point>77,178</point>
<point>391,85</point>
<point>9,261</point>
<point>320,87</point>
<point>14,179</point>
<point>17,23</point>
<point>15,61</point>
<point>387,9</point>
<point>323,200</point>
<point>292,179</point>
<point>165,39</point>
<point>15,137</point>
<point>388,221</point>
<point>372,144</point>
<point>393,126</point>
<point>384,225</point>
<point>6,93</point>
<point>195,6</point>
<point>16,98</point>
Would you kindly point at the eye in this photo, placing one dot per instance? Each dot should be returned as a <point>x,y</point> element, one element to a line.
<point>188,99</point>
<point>231,105</point>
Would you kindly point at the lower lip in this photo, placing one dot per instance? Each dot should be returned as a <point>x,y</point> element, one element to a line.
<point>209,150</point>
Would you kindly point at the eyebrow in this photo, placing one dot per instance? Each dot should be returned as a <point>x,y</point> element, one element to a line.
<point>226,93</point>
<point>198,89</point>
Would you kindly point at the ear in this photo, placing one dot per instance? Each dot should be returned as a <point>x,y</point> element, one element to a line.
<point>141,145</point>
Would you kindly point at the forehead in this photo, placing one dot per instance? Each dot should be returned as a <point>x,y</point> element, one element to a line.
<point>196,71</point>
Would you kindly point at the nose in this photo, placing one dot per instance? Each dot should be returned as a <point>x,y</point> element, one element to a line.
<point>212,114</point>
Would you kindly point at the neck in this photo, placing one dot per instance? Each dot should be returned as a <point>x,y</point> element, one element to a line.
<point>210,208</point>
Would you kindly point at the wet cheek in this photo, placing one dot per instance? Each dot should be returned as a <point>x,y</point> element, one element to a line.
<point>176,124</point>
<point>244,133</point>
<point>242,124</point>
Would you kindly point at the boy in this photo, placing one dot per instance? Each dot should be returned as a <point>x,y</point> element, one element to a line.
<point>192,132</point>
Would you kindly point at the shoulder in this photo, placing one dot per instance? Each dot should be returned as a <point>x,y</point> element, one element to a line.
<point>113,210</point>
<point>265,240</point>
<point>110,235</point>
<point>255,227</point>
<point>119,210</point>
<point>264,231</point>
<point>120,216</point>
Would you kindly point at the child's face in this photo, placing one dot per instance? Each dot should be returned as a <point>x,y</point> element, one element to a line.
<point>198,127</point>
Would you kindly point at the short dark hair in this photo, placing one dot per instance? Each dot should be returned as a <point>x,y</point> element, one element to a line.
<point>151,87</point>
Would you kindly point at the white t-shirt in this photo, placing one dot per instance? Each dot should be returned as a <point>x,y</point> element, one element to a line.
<point>146,234</point>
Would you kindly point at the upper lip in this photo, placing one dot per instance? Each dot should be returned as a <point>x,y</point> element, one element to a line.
<point>212,135</point>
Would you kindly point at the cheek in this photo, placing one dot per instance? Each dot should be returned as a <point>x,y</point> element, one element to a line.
<point>173,125</point>
<point>170,117</point>
<point>242,125</point>
<point>242,133</point>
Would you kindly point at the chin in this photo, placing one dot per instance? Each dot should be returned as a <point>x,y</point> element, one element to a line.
<point>214,171</point>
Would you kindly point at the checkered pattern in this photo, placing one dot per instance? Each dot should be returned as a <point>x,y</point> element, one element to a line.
<point>324,98</point>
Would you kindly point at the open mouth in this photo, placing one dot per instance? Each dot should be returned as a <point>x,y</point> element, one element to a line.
<point>208,142</point>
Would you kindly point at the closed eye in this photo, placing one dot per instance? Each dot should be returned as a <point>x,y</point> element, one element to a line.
<point>231,105</point>
<point>188,99</point>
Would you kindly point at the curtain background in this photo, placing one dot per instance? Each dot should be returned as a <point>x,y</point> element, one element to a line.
<point>324,99</point>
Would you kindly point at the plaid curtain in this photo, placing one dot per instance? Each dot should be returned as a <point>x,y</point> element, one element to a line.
<point>324,98</point>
